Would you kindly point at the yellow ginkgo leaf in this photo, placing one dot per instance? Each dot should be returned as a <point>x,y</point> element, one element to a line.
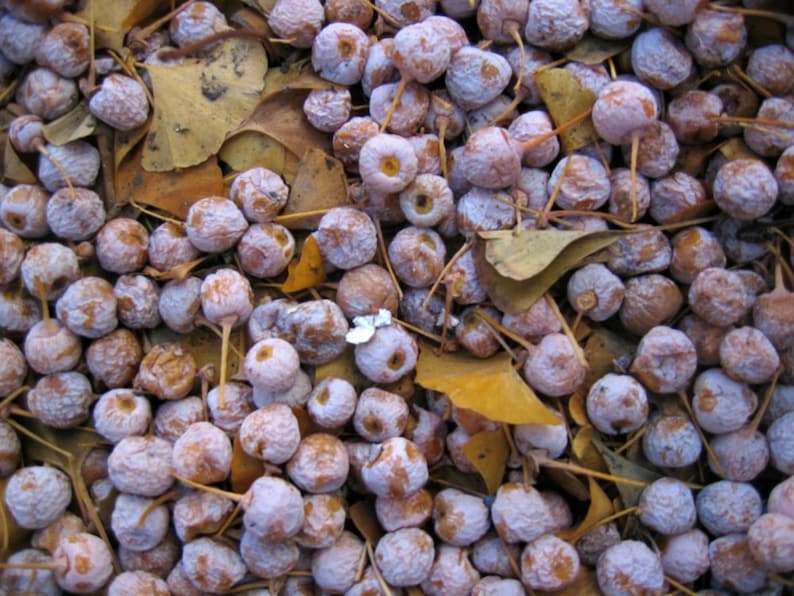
<point>489,386</point>
<point>600,507</point>
<point>566,99</point>
<point>488,452</point>
<point>197,103</point>
<point>308,271</point>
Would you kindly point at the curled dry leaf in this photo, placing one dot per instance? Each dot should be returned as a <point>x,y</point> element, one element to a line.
<point>600,507</point>
<point>197,103</point>
<point>517,269</point>
<point>566,99</point>
<point>490,387</point>
<point>582,448</point>
<point>488,452</point>
<point>76,124</point>
<point>306,272</point>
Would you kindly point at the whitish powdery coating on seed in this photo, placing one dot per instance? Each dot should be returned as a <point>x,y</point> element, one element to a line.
<point>405,557</point>
<point>549,563</point>
<point>203,454</point>
<point>141,466</point>
<point>335,568</point>
<point>667,506</point>
<point>84,563</point>
<point>629,567</point>
<point>273,509</point>
<point>37,495</point>
<point>519,513</point>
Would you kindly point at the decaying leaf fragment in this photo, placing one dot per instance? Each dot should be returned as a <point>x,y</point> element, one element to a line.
<point>517,269</point>
<point>197,103</point>
<point>491,386</point>
<point>566,99</point>
<point>488,452</point>
<point>307,271</point>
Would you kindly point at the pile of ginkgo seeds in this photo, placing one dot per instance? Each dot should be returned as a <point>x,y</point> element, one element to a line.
<point>319,463</point>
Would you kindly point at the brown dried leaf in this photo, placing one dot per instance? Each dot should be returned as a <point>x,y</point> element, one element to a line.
<point>362,514</point>
<point>306,272</point>
<point>76,124</point>
<point>320,184</point>
<point>16,171</point>
<point>197,103</point>
<point>281,118</point>
<point>736,148</point>
<point>174,191</point>
<point>600,507</point>
<point>252,149</point>
<point>692,158</point>
<point>127,141</point>
<point>488,452</point>
<point>594,50</point>
<point>565,99</point>
<point>491,386</point>
<point>602,348</point>
<point>620,466</point>
<point>245,469</point>
<point>298,77</point>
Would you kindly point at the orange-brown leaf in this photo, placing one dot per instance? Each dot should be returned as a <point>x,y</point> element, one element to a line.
<point>362,514</point>
<point>488,452</point>
<point>245,469</point>
<point>319,184</point>
<point>173,192</point>
<point>306,272</point>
